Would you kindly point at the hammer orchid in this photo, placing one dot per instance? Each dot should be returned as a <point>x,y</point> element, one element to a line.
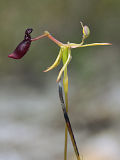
<point>65,56</point>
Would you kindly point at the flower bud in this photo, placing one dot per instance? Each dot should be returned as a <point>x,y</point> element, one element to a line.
<point>23,46</point>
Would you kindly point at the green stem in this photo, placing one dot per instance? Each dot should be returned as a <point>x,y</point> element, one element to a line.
<point>65,85</point>
<point>65,58</point>
<point>68,124</point>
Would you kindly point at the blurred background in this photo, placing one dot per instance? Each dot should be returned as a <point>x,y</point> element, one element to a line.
<point>31,119</point>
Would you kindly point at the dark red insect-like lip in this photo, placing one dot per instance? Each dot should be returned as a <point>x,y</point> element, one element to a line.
<point>20,50</point>
<point>22,47</point>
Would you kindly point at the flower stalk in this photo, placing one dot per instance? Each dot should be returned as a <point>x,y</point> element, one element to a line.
<point>68,124</point>
<point>65,85</point>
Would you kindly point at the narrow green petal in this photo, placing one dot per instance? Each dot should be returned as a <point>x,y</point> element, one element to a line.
<point>56,63</point>
<point>96,44</point>
<point>73,45</point>
<point>63,68</point>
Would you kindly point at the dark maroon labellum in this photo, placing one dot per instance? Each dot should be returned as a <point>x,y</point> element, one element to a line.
<point>23,46</point>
